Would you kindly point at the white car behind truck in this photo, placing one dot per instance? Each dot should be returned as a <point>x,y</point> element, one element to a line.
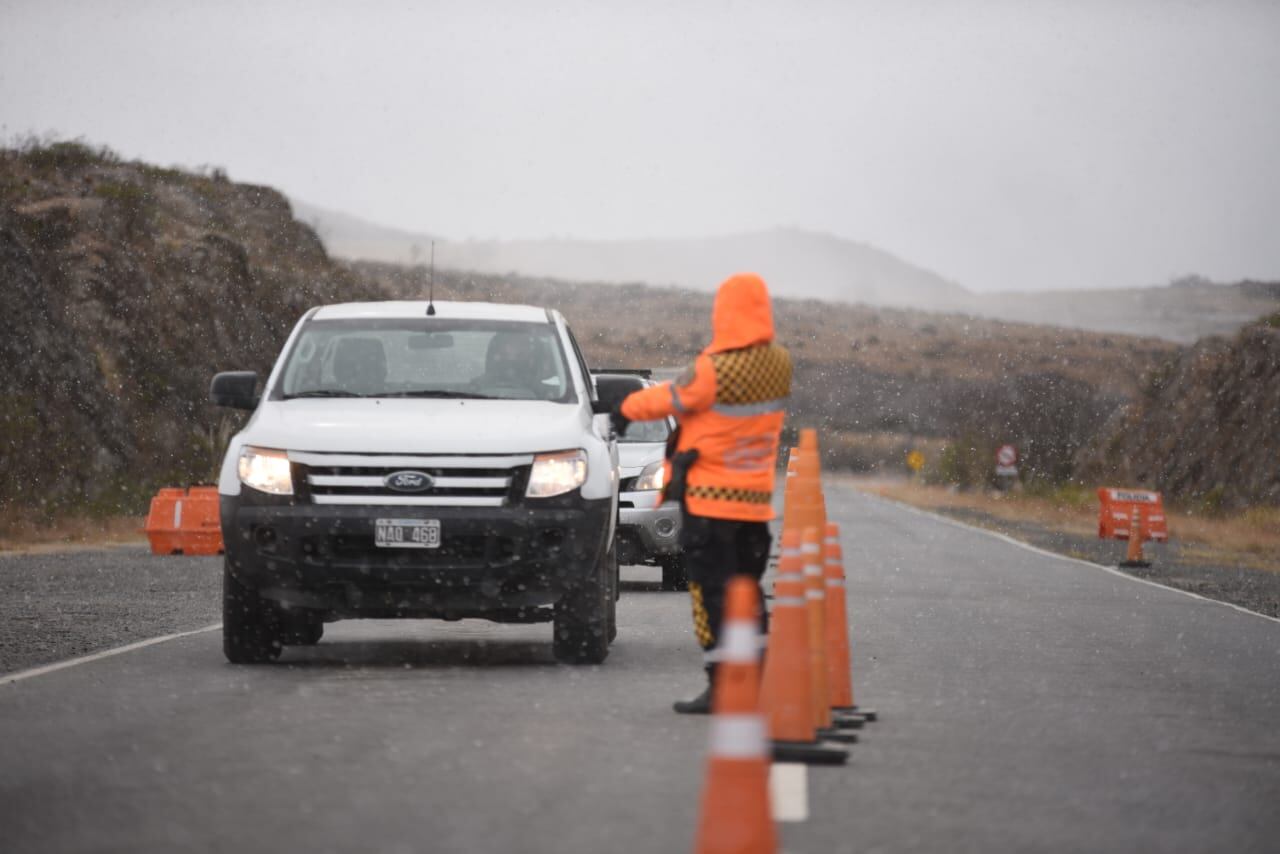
<point>648,527</point>
<point>407,459</point>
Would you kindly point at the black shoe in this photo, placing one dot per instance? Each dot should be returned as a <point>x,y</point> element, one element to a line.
<point>699,705</point>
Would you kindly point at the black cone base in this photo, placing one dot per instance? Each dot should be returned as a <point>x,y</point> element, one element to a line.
<point>867,715</point>
<point>838,735</point>
<point>847,721</point>
<point>1135,564</point>
<point>809,753</point>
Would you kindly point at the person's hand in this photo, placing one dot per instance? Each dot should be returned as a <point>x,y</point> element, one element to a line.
<point>619,421</point>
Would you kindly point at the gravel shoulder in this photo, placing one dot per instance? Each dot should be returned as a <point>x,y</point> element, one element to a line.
<point>57,605</point>
<point>1173,564</point>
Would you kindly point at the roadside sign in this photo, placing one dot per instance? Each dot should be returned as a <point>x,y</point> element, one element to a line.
<point>1007,461</point>
<point>915,461</point>
<point>1120,508</point>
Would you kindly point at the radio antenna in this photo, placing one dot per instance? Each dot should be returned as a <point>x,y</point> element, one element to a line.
<point>431,293</point>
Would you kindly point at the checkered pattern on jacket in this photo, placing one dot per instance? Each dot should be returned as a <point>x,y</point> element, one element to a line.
<point>752,375</point>
<point>725,493</point>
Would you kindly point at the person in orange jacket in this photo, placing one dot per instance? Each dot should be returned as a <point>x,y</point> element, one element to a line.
<point>729,405</point>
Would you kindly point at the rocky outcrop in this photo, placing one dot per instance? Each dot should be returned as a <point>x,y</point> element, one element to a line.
<point>1207,428</point>
<point>125,288</point>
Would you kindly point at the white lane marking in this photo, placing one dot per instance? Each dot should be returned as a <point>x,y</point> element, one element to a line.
<point>106,653</point>
<point>789,791</point>
<point>1046,553</point>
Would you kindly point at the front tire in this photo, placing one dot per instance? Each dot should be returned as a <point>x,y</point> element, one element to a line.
<point>585,617</point>
<point>250,633</point>
<point>304,628</point>
<point>615,589</point>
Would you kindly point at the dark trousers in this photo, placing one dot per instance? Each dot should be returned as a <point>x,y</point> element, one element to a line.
<point>715,550</point>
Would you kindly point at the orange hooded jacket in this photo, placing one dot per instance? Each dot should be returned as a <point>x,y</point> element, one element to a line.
<point>730,405</point>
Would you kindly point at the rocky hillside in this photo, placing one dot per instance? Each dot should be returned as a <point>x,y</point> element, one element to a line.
<point>125,288</point>
<point>1206,428</point>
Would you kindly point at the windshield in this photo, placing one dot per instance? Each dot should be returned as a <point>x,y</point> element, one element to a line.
<point>427,357</point>
<point>646,431</point>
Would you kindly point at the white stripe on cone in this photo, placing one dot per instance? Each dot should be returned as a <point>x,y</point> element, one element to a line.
<point>738,642</point>
<point>738,736</point>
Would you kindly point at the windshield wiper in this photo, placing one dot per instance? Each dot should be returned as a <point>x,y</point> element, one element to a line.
<point>437,392</point>
<point>324,392</point>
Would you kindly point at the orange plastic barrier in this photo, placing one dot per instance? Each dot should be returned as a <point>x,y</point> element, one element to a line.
<point>1119,509</point>
<point>185,521</point>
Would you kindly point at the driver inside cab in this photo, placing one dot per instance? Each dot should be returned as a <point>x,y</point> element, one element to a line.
<point>515,365</point>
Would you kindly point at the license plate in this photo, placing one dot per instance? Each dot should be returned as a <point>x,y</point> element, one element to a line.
<point>406,533</point>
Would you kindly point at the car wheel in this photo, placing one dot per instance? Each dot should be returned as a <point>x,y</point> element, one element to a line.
<point>302,628</point>
<point>674,575</point>
<point>250,631</point>
<point>584,616</point>
<point>615,592</point>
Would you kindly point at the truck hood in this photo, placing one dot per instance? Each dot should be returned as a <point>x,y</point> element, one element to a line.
<point>409,426</point>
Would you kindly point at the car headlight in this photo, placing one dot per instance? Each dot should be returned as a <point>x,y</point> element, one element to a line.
<point>266,470</point>
<point>557,473</point>
<point>653,477</point>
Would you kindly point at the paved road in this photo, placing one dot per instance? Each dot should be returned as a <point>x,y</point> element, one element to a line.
<point>1028,702</point>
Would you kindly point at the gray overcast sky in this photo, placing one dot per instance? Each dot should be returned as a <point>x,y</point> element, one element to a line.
<point>1006,145</point>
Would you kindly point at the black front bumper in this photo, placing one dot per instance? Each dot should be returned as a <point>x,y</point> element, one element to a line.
<point>496,562</point>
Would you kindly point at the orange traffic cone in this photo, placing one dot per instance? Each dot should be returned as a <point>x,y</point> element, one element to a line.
<point>1133,554</point>
<point>786,693</point>
<point>827,725</point>
<point>736,814</point>
<point>839,672</point>
<point>811,554</point>
<point>839,683</point>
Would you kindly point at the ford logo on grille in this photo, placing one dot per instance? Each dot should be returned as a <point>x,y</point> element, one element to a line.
<point>408,481</point>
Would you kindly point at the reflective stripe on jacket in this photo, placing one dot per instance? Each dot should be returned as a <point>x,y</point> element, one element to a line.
<point>730,404</point>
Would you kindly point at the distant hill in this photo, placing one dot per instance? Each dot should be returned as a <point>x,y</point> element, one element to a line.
<point>1184,311</point>
<point>804,264</point>
<point>794,262</point>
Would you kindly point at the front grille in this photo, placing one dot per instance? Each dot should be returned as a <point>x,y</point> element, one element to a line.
<point>455,480</point>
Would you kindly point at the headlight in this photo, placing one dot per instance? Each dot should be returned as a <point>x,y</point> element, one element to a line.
<point>556,474</point>
<point>653,477</point>
<point>266,470</point>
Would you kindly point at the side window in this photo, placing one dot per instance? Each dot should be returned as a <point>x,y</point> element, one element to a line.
<point>582,364</point>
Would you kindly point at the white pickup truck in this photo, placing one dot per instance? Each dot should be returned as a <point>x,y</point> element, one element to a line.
<point>407,459</point>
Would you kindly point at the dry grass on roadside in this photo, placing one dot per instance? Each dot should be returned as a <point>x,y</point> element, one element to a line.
<point>24,535</point>
<point>1251,538</point>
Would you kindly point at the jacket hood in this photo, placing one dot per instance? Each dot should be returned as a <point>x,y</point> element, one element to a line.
<point>742,316</point>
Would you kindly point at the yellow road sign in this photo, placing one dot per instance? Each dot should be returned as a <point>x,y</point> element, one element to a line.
<point>915,461</point>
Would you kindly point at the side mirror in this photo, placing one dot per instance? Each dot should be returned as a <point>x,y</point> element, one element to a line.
<point>601,407</point>
<point>234,389</point>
